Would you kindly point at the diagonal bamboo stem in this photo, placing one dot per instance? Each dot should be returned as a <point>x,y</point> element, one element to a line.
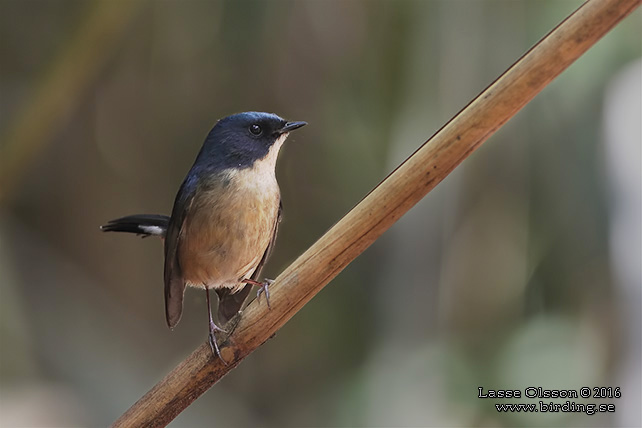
<point>382,207</point>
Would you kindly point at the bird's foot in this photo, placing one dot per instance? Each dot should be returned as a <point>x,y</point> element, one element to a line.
<point>264,287</point>
<point>212,341</point>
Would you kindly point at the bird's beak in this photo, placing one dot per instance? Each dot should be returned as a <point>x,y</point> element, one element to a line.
<point>291,126</point>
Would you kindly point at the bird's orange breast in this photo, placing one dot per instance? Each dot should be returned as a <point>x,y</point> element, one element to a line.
<point>228,228</point>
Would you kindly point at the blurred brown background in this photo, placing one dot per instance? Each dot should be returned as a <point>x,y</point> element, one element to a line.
<point>521,269</point>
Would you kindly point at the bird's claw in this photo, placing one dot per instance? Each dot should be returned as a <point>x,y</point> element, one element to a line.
<point>264,287</point>
<point>213,343</point>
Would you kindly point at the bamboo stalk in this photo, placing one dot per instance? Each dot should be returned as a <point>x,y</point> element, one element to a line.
<point>382,207</point>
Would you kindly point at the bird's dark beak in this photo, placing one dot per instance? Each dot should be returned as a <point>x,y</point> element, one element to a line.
<point>291,126</point>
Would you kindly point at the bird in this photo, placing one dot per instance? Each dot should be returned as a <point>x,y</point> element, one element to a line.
<point>224,220</point>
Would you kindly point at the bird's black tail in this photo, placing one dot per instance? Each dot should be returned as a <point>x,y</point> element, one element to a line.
<point>141,224</point>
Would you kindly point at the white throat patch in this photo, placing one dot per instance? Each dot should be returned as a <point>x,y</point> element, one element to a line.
<point>270,158</point>
<point>262,173</point>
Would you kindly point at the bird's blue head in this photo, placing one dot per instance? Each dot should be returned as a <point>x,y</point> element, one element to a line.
<point>239,140</point>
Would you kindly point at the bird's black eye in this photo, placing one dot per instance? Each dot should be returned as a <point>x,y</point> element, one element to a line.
<point>255,129</point>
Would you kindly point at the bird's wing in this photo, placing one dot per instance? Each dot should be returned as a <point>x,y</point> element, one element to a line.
<point>174,282</point>
<point>229,304</point>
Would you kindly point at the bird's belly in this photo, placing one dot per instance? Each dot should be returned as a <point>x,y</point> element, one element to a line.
<point>226,235</point>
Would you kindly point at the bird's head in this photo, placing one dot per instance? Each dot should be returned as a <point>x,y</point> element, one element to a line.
<point>239,140</point>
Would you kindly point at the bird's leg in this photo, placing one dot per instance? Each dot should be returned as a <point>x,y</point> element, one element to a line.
<point>263,288</point>
<point>213,328</point>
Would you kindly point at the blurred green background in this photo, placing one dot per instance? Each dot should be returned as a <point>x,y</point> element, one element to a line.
<point>521,269</point>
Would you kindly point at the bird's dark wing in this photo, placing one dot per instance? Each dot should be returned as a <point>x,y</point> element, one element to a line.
<point>229,304</point>
<point>174,282</point>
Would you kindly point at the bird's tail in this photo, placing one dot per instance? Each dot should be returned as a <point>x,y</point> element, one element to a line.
<point>141,224</point>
